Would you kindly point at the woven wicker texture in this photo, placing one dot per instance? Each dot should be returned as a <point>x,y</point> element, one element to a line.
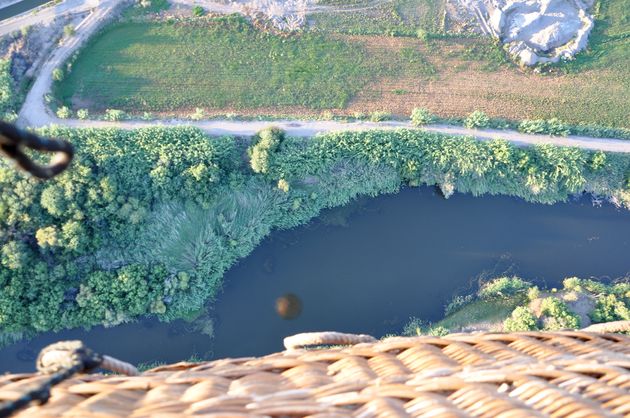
<point>560,374</point>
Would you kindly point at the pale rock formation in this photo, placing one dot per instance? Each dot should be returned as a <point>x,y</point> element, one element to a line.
<point>540,31</point>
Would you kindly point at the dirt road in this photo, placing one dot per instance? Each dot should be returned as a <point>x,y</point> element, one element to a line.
<point>35,112</point>
<point>313,127</point>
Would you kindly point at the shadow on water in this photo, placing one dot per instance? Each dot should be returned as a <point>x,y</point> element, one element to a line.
<point>368,267</point>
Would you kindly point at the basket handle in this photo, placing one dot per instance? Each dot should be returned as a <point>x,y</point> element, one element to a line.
<point>306,339</point>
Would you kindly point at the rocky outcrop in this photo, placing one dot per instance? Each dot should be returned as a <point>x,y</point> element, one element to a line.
<point>541,31</point>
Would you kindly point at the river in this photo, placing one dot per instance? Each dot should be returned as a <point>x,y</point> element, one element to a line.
<point>368,267</point>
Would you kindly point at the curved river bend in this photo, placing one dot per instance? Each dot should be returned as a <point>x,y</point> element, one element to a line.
<point>368,267</point>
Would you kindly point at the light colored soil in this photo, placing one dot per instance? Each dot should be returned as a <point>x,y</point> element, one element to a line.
<point>462,86</point>
<point>578,303</point>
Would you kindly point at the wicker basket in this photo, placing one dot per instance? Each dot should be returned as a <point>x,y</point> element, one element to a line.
<point>559,374</point>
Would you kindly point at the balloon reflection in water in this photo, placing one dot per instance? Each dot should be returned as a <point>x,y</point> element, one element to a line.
<point>289,306</point>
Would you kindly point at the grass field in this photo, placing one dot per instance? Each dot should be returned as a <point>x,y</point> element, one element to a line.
<point>226,66</point>
<point>213,63</point>
<point>365,17</point>
<point>478,313</point>
<point>224,63</point>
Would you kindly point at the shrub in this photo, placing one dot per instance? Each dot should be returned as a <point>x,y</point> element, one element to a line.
<point>540,126</point>
<point>477,119</point>
<point>327,115</point>
<point>267,141</point>
<point>557,315</point>
<point>457,303</point>
<point>63,112</point>
<point>610,308</point>
<point>421,116</point>
<point>572,284</point>
<point>114,115</point>
<point>68,30</point>
<point>7,95</point>
<point>414,327</point>
<point>438,331</point>
<point>594,286</point>
<point>83,114</point>
<point>556,127</point>
<point>57,74</point>
<point>198,11</point>
<point>621,290</point>
<point>283,185</point>
<point>598,160</point>
<point>198,114</point>
<point>359,115</point>
<point>532,126</point>
<point>379,116</point>
<point>521,319</point>
<point>422,35</point>
<point>533,293</point>
<point>503,288</point>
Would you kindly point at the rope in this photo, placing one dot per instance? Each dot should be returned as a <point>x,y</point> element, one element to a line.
<point>14,140</point>
<point>609,327</point>
<point>325,338</point>
<point>61,361</point>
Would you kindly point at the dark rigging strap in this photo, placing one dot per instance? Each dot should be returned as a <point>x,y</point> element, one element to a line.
<point>14,142</point>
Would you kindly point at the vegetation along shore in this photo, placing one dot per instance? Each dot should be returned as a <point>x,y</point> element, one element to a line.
<point>147,221</point>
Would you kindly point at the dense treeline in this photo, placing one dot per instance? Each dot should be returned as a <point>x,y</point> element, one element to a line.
<point>148,221</point>
<point>8,99</point>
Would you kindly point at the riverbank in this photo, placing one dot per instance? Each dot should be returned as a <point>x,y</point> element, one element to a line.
<point>511,304</point>
<point>162,213</point>
<point>366,268</point>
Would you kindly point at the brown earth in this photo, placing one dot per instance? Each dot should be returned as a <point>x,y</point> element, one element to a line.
<point>461,86</point>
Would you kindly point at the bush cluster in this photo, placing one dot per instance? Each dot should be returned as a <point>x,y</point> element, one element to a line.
<point>265,143</point>
<point>540,126</point>
<point>421,116</point>
<point>477,119</point>
<point>114,115</point>
<point>8,100</point>
<point>521,319</point>
<point>504,287</point>
<point>556,315</point>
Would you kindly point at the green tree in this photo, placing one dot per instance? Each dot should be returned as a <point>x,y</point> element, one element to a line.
<point>477,119</point>
<point>48,237</point>
<point>421,116</point>
<point>557,315</point>
<point>63,112</point>
<point>83,114</point>
<point>198,11</point>
<point>610,308</point>
<point>114,115</point>
<point>57,74</point>
<point>68,30</point>
<point>15,255</point>
<point>267,142</point>
<point>521,319</point>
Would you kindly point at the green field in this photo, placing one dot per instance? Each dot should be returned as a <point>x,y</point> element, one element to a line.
<point>400,17</point>
<point>224,63</point>
<point>349,63</point>
<point>213,63</point>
